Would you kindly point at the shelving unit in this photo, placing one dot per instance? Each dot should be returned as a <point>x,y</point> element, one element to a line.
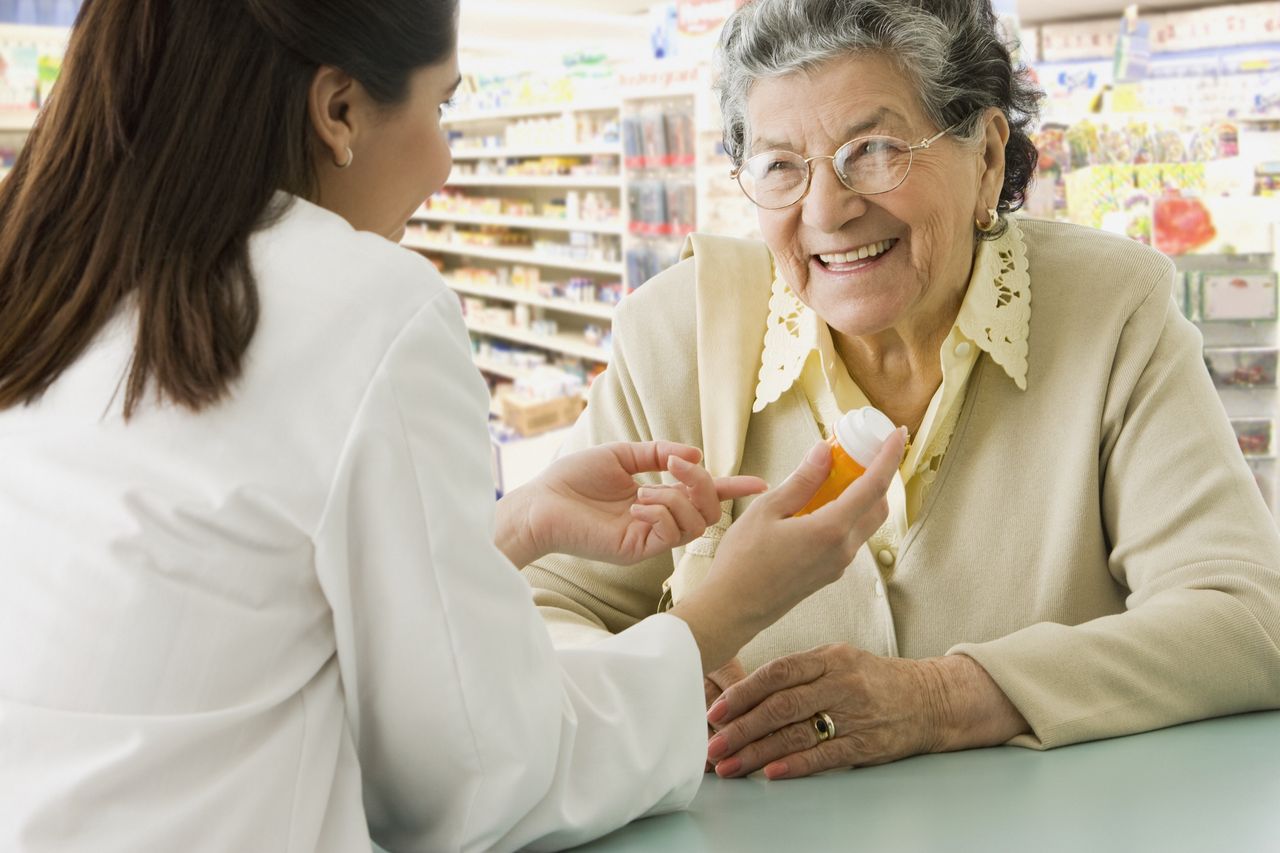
<point>529,111</point>
<point>571,345</point>
<point>541,310</point>
<point>544,181</point>
<point>514,256</point>
<point>532,223</point>
<point>596,311</point>
<point>465,154</point>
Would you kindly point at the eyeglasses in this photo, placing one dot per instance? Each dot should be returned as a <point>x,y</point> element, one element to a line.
<point>868,165</point>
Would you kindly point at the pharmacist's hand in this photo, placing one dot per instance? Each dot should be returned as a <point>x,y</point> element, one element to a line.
<point>778,560</point>
<point>588,503</point>
<point>769,561</point>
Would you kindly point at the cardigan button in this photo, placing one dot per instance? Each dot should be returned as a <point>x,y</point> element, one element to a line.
<point>885,557</point>
<point>963,349</point>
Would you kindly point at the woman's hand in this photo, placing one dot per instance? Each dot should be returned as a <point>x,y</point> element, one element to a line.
<point>770,561</point>
<point>714,684</point>
<point>588,504</point>
<point>882,708</point>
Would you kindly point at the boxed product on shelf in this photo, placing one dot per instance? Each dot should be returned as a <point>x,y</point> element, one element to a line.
<point>1237,296</point>
<point>543,400</point>
<point>530,417</point>
<point>659,136</point>
<point>662,208</point>
<point>1245,367</point>
<point>1255,435</point>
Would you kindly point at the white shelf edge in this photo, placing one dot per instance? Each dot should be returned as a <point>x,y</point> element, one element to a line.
<point>602,148</point>
<point>511,294</point>
<point>532,110</point>
<point>571,345</point>
<point>17,121</point>
<point>552,181</point>
<point>506,371</point>
<point>516,257</point>
<point>527,222</point>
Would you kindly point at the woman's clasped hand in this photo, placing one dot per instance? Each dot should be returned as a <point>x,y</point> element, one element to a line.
<point>879,709</point>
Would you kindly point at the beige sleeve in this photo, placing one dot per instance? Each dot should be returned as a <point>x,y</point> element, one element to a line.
<point>649,392</point>
<point>1191,540</point>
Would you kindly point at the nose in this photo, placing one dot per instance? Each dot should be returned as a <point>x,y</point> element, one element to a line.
<point>830,205</point>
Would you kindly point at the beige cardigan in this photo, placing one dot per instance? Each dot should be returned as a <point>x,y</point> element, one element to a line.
<point>1096,542</point>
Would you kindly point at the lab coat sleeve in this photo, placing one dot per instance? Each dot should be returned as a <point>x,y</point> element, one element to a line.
<point>472,732</point>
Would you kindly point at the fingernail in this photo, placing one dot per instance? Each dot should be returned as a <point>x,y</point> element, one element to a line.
<point>679,463</point>
<point>717,747</point>
<point>717,711</point>
<point>776,770</point>
<point>645,493</point>
<point>816,453</point>
<point>728,767</point>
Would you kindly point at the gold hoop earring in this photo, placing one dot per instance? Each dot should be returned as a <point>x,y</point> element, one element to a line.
<point>993,221</point>
<point>351,156</point>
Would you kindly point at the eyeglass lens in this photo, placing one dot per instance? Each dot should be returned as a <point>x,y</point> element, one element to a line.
<point>870,165</point>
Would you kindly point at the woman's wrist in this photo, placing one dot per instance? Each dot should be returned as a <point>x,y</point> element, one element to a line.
<point>513,532</point>
<point>970,709</point>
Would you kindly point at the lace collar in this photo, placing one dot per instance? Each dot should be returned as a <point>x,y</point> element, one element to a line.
<point>995,315</point>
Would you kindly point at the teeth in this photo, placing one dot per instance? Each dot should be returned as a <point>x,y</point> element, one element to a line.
<point>858,254</point>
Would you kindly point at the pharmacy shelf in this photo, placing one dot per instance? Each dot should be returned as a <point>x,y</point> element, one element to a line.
<point>497,368</point>
<point>593,310</point>
<point>567,150</point>
<point>569,344</point>
<point>515,256</point>
<point>532,223</point>
<point>17,121</point>
<point>529,111</point>
<point>552,181</point>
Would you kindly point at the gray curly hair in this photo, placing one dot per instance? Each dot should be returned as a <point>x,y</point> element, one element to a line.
<point>951,49</point>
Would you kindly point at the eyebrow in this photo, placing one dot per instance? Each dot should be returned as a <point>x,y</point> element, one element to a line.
<point>876,119</point>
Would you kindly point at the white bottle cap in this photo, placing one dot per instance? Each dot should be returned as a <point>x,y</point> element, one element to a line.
<point>862,432</point>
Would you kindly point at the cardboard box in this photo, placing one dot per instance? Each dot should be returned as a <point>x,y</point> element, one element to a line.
<point>531,417</point>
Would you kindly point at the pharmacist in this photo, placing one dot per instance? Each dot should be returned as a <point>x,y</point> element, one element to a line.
<point>254,592</point>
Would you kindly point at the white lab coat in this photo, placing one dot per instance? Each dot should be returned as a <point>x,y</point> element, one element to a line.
<point>282,624</point>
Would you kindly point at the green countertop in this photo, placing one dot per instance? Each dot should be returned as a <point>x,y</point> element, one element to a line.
<point>1207,786</point>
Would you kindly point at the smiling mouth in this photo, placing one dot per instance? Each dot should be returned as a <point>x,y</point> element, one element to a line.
<point>862,254</point>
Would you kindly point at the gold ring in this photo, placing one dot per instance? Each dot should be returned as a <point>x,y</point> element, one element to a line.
<point>823,725</point>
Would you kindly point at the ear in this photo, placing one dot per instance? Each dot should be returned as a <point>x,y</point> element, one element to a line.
<point>330,104</point>
<point>991,180</point>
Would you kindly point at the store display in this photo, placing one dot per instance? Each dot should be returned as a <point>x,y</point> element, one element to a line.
<point>30,61</point>
<point>1166,130</point>
<point>583,78</point>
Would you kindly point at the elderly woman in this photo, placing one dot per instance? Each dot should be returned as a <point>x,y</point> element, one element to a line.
<point>1075,548</point>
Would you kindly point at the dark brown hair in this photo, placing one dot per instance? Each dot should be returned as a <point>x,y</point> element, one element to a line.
<point>170,130</point>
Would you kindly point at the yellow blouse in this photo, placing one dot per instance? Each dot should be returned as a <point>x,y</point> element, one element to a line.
<point>994,318</point>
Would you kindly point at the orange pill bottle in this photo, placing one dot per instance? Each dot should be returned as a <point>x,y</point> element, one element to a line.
<point>856,440</point>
